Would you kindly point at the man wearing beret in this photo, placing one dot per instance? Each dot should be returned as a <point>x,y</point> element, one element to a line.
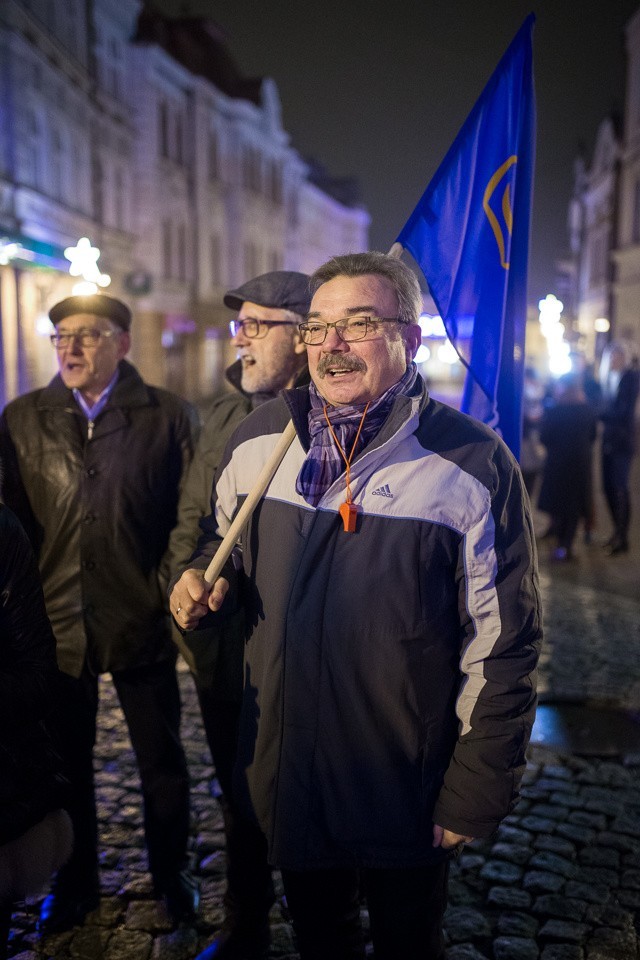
<point>93,464</point>
<point>271,358</point>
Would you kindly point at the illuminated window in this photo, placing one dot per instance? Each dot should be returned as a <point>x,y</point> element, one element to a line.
<point>113,67</point>
<point>167,249</point>
<point>97,189</point>
<point>212,156</point>
<point>55,164</point>
<point>33,154</point>
<point>293,216</point>
<point>118,198</point>
<point>274,260</point>
<point>274,188</point>
<point>251,268</point>
<point>179,140</point>
<point>216,265</point>
<point>182,253</point>
<point>72,36</point>
<point>163,128</point>
<point>635,229</point>
<point>251,169</point>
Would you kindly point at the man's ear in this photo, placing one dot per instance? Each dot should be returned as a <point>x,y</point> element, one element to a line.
<point>413,340</point>
<point>124,345</point>
<point>298,345</point>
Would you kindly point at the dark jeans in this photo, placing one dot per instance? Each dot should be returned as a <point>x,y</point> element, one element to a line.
<point>250,892</point>
<point>406,907</point>
<point>565,526</point>
<point>150,700</point>
<point>5,927</point>
<point>615,481</point>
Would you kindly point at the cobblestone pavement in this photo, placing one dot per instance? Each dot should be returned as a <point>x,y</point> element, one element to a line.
<point>560,881</point>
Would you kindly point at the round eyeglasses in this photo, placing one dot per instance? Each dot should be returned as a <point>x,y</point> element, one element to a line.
<point>350,329</point>
<point>256,329</point>
<point>87,336</point>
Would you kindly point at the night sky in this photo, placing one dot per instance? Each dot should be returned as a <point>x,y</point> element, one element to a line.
<point>378,90</point>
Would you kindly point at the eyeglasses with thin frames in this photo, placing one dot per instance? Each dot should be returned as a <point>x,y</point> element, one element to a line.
<point>350,329</point>
<point>87,336</point>
<point>256,329</point>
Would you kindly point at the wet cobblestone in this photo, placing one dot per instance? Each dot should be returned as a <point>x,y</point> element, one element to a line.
<point>529,892</point>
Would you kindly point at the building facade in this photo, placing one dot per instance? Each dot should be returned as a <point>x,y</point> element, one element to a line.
<point>626,255</point>
<point>603,269</point>
<point>588,292</point>
<point>139,133</point>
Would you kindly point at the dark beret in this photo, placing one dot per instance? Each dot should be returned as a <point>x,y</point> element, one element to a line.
<point>280,289</point>
<point>98,304</point>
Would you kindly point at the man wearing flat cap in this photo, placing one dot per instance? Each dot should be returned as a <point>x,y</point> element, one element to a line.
<point>93,464</point>
<point>271,358</point>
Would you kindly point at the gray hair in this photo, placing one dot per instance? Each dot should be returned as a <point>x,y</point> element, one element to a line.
<point>400,276</point>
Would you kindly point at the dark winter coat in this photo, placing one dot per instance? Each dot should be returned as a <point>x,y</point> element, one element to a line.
<point>618,416</point>
<point>99,512</point>
<point>215,655</point>
<point>390,672</point>
<point>568,432</point>
<point>30,784</point>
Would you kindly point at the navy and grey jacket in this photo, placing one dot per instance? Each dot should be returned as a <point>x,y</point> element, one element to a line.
<point>390,672</point>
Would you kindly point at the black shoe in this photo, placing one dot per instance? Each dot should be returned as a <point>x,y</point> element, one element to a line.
<point>237,945</point>
<point>64,910</point>
<point>182,895</point>
<point>615,547</point>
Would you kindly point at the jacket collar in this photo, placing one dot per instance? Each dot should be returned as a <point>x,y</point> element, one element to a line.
<point>405,413</point>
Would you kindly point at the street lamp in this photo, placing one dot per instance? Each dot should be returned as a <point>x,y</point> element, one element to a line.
<point>84,263</point>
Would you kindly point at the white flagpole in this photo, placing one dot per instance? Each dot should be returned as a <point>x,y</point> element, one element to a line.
<point>244,513</point>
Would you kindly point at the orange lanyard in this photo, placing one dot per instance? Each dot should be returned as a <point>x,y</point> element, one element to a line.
<point>348,510</point>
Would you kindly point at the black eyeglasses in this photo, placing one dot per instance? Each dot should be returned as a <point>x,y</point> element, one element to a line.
<point>256,329</point>
<point>87,336</point>
<point>350,329</point>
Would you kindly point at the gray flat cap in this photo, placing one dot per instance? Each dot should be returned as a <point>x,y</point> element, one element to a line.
<point>280,289</point>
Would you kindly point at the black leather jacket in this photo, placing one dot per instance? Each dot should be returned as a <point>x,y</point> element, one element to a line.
<point>29,782</point>
<point>99,512</point>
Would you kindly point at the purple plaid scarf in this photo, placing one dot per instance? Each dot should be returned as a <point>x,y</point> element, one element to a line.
<point>324,464</point>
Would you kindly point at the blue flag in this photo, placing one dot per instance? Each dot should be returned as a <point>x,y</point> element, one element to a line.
<point>470,235</point>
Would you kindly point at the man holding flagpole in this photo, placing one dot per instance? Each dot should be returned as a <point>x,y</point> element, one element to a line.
<point>389,583</point>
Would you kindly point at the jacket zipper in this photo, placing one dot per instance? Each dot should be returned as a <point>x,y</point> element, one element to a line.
<point>90,426</point>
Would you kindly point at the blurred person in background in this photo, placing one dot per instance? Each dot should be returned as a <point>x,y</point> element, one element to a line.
<point>593,394</point>
<point>532,452</point>
<point>568,432</point>
<point>620,382</point>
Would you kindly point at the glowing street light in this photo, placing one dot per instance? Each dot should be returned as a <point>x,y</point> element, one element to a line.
<point>84,263</point>
<point>447,353</point>
<point>553,330</point>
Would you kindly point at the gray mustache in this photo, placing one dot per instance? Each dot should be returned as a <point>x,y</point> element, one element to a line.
<point>339,362</point>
